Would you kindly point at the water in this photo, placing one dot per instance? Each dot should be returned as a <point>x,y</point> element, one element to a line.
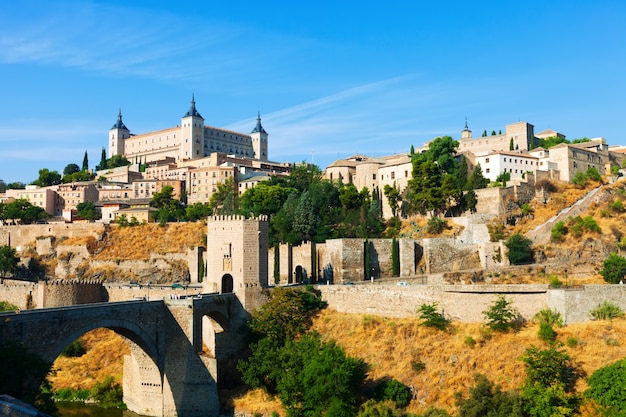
<point>77,409</point>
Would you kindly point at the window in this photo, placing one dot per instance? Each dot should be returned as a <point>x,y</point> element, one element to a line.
<point>373,176</point>
<point>393,175</point>
<point>487,160</point>
<point>487,170</point>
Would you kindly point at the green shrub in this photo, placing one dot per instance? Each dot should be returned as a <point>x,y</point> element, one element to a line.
<point>501,315</point>
<point>393,390</point>
<point>614,268</point>
<point>572,342</point>
<point>593,174</point>
<point>546,333</point>
<point>418,366</point>
<point>6,306</point>
<point>607,386</point>
<point>519,249</point>
<point>606,311</point>
<point>555,282</point>
<point>436,225</point>
<point>617,206</point>
<point>107,394</point>
<point>549,316</point>
<point>469,341</point>
<point>611,341</point>
<point>75,349</point>
<point>558,231</point>
<point>431,317</point>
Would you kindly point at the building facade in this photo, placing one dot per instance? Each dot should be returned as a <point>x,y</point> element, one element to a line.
<point>192,139</point>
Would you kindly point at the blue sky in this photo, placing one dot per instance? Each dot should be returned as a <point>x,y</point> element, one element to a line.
<point>330,78</point>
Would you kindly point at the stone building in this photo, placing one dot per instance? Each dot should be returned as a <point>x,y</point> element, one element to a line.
<point>192,139</point>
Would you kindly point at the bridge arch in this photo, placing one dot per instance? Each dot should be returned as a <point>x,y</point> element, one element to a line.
<point>125,328</point>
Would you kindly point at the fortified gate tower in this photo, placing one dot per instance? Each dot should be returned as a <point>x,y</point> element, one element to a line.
<point>237,258</point>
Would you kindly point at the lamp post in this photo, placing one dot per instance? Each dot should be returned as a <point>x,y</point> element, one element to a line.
<point>565,271</point>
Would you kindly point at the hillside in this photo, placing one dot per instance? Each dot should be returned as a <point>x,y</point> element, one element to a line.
<point>399,348</point>
<point>395,348</point>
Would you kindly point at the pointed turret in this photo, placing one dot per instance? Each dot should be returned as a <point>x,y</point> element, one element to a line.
<point>117,134</point>
<point>119,124</point>
<point>259,140</point>
<point>466,134</point>
<point>192,112</point>
<point>258,128</point>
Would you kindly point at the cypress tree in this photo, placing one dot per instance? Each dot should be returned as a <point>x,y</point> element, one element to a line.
<point>85,162</point>
<point>395,258</point>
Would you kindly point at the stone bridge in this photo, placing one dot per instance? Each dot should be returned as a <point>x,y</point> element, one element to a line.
<point>175,346</point>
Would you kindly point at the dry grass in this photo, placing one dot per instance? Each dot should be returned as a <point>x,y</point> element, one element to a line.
<point>134,243</point>
<point>393,347</point>
<point>104,358</point>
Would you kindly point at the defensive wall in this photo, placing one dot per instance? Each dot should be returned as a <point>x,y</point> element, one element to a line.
<point>19,236</point>
<point>465,303</point>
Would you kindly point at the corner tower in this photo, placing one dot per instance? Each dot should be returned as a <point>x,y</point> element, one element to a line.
<point>117,134</point>
<point>259,140</point>
<point>192,133</point>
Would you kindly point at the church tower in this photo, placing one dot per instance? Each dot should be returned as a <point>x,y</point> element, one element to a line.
<point>259,140</point>
<point>192,131</point>
<point>117,134</point>
<point>466,133</point>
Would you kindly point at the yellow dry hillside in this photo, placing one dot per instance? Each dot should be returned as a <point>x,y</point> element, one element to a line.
<point>138,242</point>
<point>399,347</point>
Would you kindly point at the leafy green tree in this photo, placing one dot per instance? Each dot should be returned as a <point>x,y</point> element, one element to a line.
<point>87,211</point>
<point>23,211</point>
<point>225,199</point>
<point>550,366</point>
<point>108,393</point>
<point>547,143</point>
<point>287,314</point>
<point>395,257</point>
<point>493,133</point>
<point>607,387</point>
<point>117,161</point>
<point>319,378</point>
<point>197,211</point>
<point>3,186</point>
<point>519,249</point>
<point>305,220</point>
<point>488,400</point>
<point>511,145</point>
<point>78,176</point>
<point>606,311</point>
<point>47,178</point>
<point>503,178</point>
<point>70,169</point>
<point>168,208</point>
<point>501,315</point>
<point>393,198</point>
<point>264,198</point>
<point>614,269</point>
<point>558,232</point>
<point>476,179</point>
<point>549,385</point>
<point>431,317</point>
<point>17,185</point>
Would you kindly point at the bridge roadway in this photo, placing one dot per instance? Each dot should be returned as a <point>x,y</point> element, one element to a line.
<point>167,373</point>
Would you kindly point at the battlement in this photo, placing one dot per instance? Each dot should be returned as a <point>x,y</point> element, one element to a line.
<point>237,217</point>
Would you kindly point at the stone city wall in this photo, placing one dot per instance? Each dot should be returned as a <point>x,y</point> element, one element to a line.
<point>466,303</point>
<point>20,236</point>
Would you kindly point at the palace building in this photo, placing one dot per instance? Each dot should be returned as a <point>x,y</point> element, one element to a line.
<point>192,139</point>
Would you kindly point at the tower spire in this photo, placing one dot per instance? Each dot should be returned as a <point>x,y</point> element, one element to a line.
<point>258,128</point>
<point>119,124</point>
<point>192,112</point>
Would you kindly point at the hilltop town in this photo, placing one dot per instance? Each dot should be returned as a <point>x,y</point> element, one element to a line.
<point>389,253</point>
